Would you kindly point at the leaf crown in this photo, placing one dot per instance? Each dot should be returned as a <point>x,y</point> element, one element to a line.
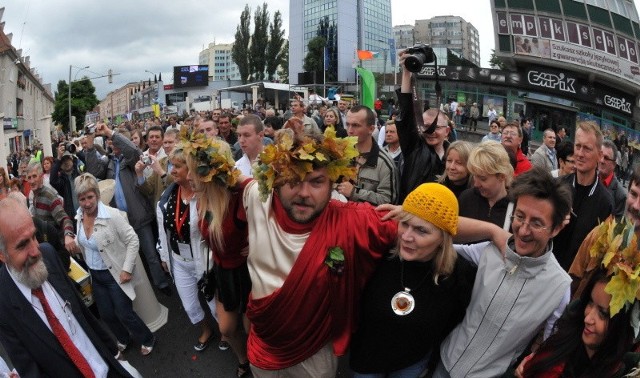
<point>289,160</point>
<point>616,245</point>
<point>212,158</point>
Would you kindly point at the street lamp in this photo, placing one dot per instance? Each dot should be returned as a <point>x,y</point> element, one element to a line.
<point>80,69</point>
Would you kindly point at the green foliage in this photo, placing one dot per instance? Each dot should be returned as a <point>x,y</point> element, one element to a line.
<point>496,62</point>
<point>330,33</point>
<point>240,50</point>
<point>275,48</point>
<point>259,41</point>
<point>83,99</point>
<point>314,59</point>
<point>283,73</point>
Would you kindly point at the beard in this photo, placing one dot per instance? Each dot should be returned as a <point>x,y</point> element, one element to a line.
<point>34,272</point>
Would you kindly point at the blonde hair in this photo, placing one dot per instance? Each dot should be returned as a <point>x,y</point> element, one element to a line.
<point>445,259</point>
<point>213,198</point>
<point>85,183</point>
<point>463,149</point>
<point>490,158</point>
<point>592,128</point>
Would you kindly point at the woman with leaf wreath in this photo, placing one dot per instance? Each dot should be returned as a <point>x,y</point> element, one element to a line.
<point>214,178</point>
<point>595,335</point>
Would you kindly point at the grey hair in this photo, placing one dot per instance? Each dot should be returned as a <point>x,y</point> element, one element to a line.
<point>85,183</point>
<point>609,144</point>
<point>9,204</point>
<point>37,166</point>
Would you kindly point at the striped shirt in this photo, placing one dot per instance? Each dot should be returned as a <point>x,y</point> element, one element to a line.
<point>49,206</point>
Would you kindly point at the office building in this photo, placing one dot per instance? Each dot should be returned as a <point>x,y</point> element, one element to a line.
<point>450,32</point>
<point>360,25</point>
<point>221,65</point>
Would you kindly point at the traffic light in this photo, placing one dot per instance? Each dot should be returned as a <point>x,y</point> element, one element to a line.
<point>110,76</point>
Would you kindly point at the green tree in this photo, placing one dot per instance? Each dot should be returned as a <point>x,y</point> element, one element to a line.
<point>329,32</point>
<point>83,99</point>
<point>240,50</point>
<point>283,73</point>
<point>314,61</point>
<point>275,48</point>
<point>496,62</point>
<point>259,42</point>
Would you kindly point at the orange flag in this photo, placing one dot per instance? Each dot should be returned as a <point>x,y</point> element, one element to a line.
<point>365,54</point>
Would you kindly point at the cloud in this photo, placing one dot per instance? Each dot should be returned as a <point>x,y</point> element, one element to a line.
<point>132,36</point>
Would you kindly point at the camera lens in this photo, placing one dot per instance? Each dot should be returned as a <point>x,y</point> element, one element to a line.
<point>415,62</point>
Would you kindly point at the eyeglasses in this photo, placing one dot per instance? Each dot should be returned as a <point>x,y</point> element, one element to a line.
<point>608,158</point>
<point>510,133</point>
<point>535,225</point>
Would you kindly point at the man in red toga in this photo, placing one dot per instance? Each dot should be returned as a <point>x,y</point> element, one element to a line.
<point>307,261</point>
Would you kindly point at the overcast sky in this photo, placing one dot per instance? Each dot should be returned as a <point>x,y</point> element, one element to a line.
<point>132,36</point>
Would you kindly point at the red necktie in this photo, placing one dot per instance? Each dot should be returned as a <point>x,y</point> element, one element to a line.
<point>63,337</point>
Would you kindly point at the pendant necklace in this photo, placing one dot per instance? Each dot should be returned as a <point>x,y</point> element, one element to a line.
<point>402,303</point>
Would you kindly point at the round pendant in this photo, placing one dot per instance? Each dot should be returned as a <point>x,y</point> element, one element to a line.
<point>402,303</point>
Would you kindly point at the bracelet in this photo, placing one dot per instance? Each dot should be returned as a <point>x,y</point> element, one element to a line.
<point>164,176</point>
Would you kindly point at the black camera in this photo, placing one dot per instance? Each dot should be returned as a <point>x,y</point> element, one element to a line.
<point>420,55</point>
<point>70,147</point>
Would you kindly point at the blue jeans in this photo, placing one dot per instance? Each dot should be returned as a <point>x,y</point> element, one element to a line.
<point>116,309</point>
<point>412,371</point>
<point>148,247</point>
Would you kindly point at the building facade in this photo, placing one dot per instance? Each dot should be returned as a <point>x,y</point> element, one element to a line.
<point>360,25</point>
<point>404,36</point>
<point>117,102</point>
<point>26,103</point>
<point>580,56</point>
<point>450,32</point>
<point>221,65</point>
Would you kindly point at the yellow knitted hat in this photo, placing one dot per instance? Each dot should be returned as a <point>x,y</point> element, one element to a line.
<point>434,203</point>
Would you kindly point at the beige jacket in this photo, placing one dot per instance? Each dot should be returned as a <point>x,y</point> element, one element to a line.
<point>118,244</point>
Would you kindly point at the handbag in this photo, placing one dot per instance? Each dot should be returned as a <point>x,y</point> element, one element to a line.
<point>207,283</point>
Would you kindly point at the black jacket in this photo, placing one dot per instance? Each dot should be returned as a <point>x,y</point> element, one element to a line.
<point>31,346</point>
<point>587,213</point>
<point>63,185</point>
<point>421,162</point>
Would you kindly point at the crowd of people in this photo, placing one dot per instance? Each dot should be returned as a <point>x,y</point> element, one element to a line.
<point>313,235</point>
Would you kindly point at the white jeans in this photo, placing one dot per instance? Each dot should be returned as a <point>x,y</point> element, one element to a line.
<point>186,278</point>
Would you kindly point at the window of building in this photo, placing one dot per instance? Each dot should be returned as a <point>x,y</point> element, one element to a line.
<point>574,8</point>
<point>599,15</point>
<point>552,6</point>
<point>622,24</point>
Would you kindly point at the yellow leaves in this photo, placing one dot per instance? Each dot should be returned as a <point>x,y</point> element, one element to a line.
<point>617,245</point>
<point>287,161</point>
<point>622,290</point>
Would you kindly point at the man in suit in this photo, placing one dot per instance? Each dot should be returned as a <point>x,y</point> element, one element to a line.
<point>35,290</point>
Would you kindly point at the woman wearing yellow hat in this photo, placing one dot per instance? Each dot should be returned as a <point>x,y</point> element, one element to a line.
<point>418,294</point>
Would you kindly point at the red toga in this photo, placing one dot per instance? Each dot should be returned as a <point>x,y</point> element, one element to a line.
<point>314,305</point>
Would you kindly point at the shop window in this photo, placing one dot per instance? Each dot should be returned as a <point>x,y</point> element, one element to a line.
<point>521,4</point>
<point>599,15</point>
<point>574,8</point>
<point>500,4</point>
<point>622,24</point>
<point>552,6</point>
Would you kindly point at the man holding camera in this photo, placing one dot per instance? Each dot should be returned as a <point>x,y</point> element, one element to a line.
<point>423,147</point>
<point>63,173</point>
<point>138,207</point>
<point>93,155</point>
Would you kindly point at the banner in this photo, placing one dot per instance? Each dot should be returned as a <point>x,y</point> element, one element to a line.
<point>368,87</point>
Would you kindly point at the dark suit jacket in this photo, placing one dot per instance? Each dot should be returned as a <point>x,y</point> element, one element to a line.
<point>31,346</point>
